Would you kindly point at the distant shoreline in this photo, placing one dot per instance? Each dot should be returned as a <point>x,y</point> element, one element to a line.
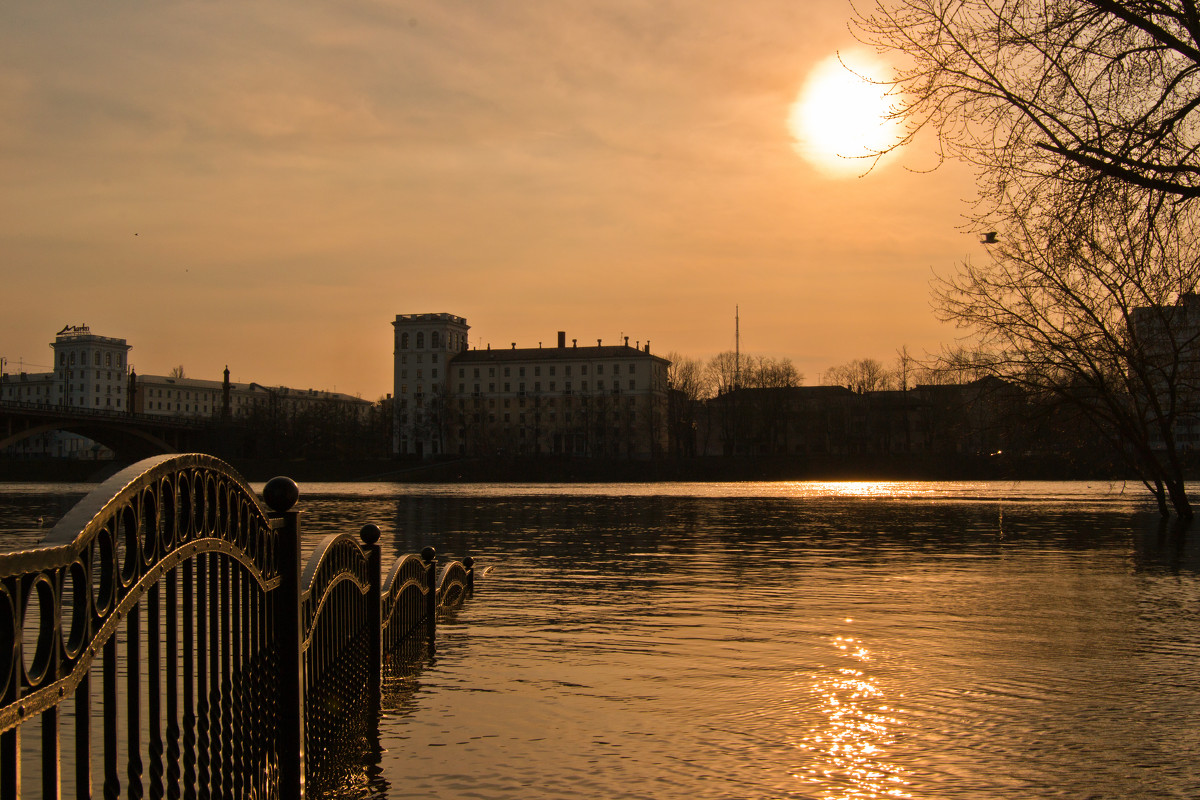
<point>581,470</point>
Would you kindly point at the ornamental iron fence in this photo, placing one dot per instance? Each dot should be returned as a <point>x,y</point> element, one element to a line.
<point>170,609</point>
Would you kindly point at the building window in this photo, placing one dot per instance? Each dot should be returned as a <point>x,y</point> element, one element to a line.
<point>404,341</point>
<point>435,339</point>
<point>491,372</point>
<point>537,372</point>
<point>599,369</point>
<point>537,386</point>
<point>583,370</point>
<point>506,387</point>
<point>632,383</point>
<point>476,375</point>
<point>568,369</point>
<point>520,372</point>
<point>108,359</point>
<point>420,340</point>
<point>462,372</point>
<point>552,370</point>
<point>631,367</point>
<point>583,386</point>
<point>508,372</point>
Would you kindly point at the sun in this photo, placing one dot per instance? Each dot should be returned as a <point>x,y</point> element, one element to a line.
<point>840,121</point>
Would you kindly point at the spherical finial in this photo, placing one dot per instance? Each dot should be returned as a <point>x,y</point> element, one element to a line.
<point>427,554</point>
<point>468,562</point>
<point>369,533</point>
<point>281,494</point>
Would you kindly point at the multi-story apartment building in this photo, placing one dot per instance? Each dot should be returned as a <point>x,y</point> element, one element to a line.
<point>193,397</point>
<point>607,400</point>
<point>424,347</point>
<point>93,373</point>
<point>90,371</point>
<point>1165,370</point>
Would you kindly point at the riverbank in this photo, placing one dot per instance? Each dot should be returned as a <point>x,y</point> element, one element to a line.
<point>580,470</point>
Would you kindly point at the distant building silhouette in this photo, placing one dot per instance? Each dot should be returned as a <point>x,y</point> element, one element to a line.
<point>93,372</point>
<point>1166,346</point>
<point>602,401</point>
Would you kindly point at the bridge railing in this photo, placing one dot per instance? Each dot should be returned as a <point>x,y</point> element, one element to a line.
<point>169,610</point>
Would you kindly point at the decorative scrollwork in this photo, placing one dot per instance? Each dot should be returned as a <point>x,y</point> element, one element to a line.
<point>175,564</point>
<point>100,570</point>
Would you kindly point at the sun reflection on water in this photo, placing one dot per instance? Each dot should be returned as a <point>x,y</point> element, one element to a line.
<point>850,745</point>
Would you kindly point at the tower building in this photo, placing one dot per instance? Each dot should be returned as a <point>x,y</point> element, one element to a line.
<point>424,347</point>
<point>91,371</point>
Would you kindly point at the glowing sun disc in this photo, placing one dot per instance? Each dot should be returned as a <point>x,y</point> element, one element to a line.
<point>840,115</point>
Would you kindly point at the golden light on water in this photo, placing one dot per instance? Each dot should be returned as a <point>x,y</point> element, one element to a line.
<point>839,121</point>
<point>850,746</point>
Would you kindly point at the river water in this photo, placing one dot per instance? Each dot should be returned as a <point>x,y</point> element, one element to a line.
<point>785,640</point>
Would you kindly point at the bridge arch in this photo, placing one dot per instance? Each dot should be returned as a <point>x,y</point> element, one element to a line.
<point>125,441</point>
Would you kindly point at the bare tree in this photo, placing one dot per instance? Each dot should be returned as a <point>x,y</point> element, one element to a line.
<point>906,366</point>
<point>686,389</point>
<point>723,373</point>
<point>762,372</point>
<point>177,372</point>
<point>686,375</point>
<point>1087,299</point>
<point>861,375</point>
<point>1065,90</point>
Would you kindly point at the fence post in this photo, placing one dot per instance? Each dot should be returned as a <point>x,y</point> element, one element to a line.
<point>428,555</point>
<point>280,495</point>
<point>370,538</point>
<point>469,564</point>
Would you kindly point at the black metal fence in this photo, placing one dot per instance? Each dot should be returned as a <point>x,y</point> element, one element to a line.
<point>168,610</point>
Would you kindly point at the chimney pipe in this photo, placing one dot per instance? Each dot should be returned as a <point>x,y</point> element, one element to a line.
<point>647,345</point>
<point>514,345</point>
<point>598,344</point>
<point>627,341</point>
<point>562,338</point>
<point>574,343</point>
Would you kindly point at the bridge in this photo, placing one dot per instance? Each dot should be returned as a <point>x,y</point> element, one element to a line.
<point>171,596</point>
<point>131,436</point>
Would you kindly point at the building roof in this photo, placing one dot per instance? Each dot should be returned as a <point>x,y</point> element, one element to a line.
<point>281,391</point>
<point>553,354</point>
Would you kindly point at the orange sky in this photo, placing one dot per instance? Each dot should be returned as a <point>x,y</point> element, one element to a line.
<point>267,184</point>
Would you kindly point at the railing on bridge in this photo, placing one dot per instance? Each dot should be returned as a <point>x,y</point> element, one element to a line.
<point>169,607</point>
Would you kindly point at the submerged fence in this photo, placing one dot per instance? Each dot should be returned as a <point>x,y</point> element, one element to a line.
<point>166,636</point>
